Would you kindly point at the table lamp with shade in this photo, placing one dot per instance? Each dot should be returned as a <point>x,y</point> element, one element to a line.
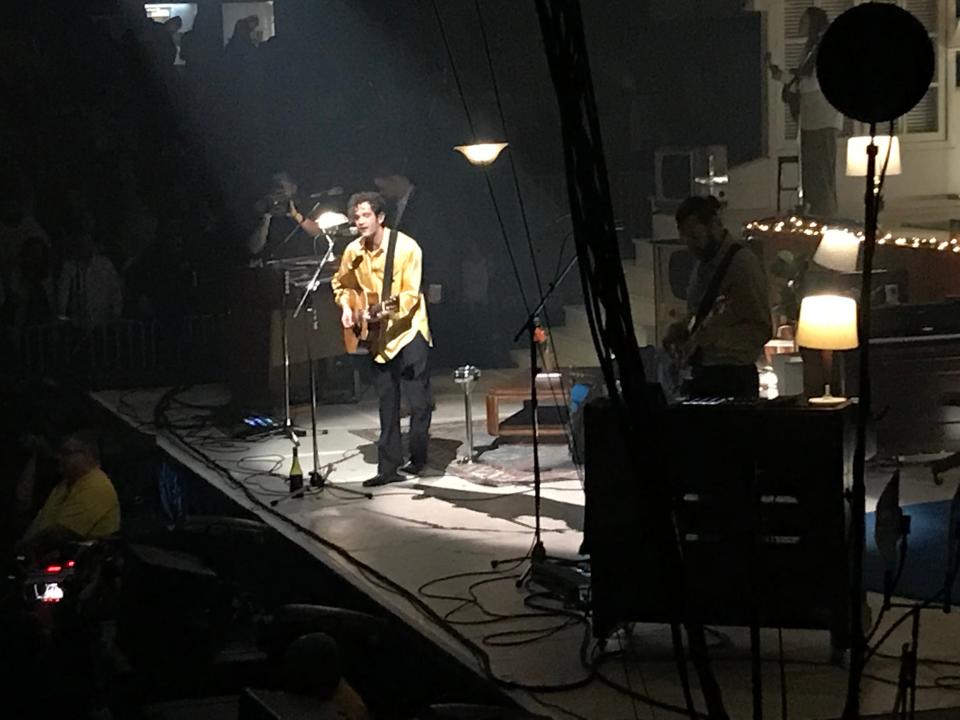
<point>827,323</point>
<point>857,154</point>
<point>838,250</point>
<point>331,220</point>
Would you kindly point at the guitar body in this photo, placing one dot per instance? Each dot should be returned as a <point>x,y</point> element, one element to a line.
<point>367,323</point>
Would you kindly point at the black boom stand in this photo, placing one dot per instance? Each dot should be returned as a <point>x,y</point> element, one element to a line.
<point>539,560</point>
<point>318,479</point>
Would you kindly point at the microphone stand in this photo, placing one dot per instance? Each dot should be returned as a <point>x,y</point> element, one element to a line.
<point>318,480</point>
<point>314,279</point>
<point>858,648</point>
<point>538,555</point>
<point>289,429</point>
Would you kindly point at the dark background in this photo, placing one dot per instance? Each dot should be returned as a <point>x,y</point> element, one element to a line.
<point>96,122</point>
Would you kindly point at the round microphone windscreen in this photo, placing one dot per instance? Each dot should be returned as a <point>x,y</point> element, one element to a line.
<point>875,62</point>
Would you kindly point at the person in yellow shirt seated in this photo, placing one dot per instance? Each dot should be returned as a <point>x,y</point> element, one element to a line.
<point>82,506</point>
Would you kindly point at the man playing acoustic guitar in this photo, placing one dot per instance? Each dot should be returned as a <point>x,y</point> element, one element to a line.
<point>729,312</point>
<point>386,313</point>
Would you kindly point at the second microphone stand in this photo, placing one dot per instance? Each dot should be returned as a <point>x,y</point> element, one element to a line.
<point>538,555</point>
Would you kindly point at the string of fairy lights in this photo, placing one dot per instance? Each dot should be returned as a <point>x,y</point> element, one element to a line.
<point>940,240</point>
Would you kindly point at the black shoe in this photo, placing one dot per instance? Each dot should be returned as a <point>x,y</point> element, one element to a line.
<point>412,468</point>
<point>383,479</point>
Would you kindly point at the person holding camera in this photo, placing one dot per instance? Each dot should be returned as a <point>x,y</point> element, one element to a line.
<point>278,216</point>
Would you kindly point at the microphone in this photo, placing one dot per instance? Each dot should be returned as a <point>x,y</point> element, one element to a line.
<point>330,192</point>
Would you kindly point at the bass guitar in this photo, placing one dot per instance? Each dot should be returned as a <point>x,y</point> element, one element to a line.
<point>369,314</point>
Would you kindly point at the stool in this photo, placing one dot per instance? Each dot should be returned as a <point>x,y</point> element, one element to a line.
<point>783,160</point>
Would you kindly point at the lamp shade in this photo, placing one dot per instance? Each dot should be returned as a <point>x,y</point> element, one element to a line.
<point>329,220</point>
<point>838,250</point>
<point>481,153</point>
<point>827,322</point>
<point>857,155</point>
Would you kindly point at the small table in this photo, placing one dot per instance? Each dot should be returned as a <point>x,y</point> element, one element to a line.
<point>553,390</point>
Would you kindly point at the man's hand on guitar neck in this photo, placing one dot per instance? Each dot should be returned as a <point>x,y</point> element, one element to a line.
<point>775,71</point>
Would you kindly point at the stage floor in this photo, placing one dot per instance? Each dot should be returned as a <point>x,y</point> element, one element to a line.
<point>458,518</point>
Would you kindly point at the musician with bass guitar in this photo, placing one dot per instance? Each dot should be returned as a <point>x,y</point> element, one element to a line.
<point>729,319</point>
<point>384,313</point>
<point>819,121</point>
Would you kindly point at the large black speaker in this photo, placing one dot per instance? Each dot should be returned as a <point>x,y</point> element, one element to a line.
<point>629,551</point>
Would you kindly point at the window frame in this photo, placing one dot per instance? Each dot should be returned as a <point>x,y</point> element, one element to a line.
<point>785,40</point>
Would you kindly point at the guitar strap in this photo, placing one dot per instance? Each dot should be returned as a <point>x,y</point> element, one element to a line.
<point>713,289</point>
<point>388,267</point>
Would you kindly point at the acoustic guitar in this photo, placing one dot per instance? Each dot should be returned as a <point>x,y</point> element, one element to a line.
<point>369,314</point>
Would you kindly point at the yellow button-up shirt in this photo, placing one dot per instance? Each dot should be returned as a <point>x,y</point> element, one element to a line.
<point>362,270</point>
<point>89,508</point>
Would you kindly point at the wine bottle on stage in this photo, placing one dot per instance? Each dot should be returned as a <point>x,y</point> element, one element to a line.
<point>296,474</point>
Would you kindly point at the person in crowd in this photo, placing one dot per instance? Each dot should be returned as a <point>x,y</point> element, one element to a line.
<point>418,213</point>
<point>29,298</point>
<point>89,291</point>
<point>400,351</point>
<point>413,210</point>
<point>82,506</point>
<point>819,121</point>
<point>729,314</point>
<point>172,27</point>
<point>311,667</point>
<point>241,46</point>
<point>17,226</point>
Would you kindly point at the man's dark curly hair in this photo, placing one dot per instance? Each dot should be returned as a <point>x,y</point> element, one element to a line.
<point>377,203</point>
<point>703,207</point>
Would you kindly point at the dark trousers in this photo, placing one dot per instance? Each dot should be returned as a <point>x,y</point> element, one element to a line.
<point>724,381</point>
<point>407,371</point>
<point>818,162</point>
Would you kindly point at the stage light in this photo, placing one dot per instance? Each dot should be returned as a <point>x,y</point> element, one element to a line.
<point>827,323</point>
<point>838,250</point>
<point>481,153</point>
<point>330,220</point>
<point>857,154</point>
